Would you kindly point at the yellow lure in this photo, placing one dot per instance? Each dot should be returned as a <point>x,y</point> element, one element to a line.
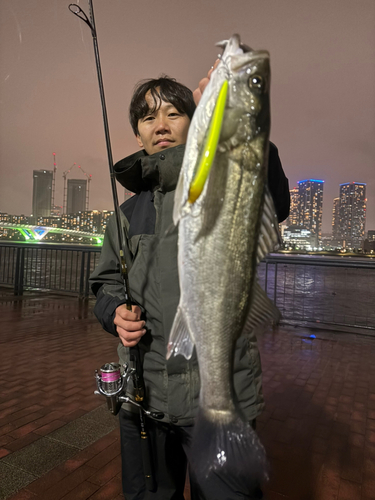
<point>209,149</point>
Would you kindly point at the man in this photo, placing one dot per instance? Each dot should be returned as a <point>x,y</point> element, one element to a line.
<point>160,114</point>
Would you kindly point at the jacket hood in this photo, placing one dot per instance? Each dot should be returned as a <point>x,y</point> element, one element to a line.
<point>142,172</point>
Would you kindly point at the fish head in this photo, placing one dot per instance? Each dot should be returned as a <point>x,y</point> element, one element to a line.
<point>247,113</point>
<point>241,81</point>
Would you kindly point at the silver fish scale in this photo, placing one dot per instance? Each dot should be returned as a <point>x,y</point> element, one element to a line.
<point>218,233</point>
<point>217,294</point>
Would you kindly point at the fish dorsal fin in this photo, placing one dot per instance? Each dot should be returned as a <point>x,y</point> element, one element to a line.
<point>261,309</point>
<point>180,340</point>
<point>269,235</point>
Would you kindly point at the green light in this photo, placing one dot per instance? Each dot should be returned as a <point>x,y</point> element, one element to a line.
<point>26,234</point>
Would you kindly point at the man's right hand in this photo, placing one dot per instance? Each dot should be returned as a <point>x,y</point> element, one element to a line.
<point>129,326</point>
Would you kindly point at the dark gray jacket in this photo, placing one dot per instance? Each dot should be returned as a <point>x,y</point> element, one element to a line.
<point>172,386</point>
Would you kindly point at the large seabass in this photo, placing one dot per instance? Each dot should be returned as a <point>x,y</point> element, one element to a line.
<point>227,224</point>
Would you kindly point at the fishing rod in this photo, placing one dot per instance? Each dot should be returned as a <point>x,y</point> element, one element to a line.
<point>76,10</point>
<point>111,383</point>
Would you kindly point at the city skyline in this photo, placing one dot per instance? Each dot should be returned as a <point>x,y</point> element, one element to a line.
<point>321,53</point>
<point>293,219</point>
<point>348,226</point>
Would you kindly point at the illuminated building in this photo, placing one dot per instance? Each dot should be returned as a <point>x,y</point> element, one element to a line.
<point>106,214</point>
<point>371,235</point>
<point>293,219</point>
<point>90,221</point>
<point>18,219</point>
<point>336,221</point>
<point>76,196</point>
<point>297,237</point>
<point>42,192</point>
<point>352,214</point>
<point>310,193</point>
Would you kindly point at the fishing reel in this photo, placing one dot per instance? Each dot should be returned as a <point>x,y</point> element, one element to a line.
<point>112,384</point>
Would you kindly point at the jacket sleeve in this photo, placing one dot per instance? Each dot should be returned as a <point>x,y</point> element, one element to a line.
<point>278,184</point>
<point>106,281</point>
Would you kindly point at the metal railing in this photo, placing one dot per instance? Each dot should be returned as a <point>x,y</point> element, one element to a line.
<point>336,291</point>
<point>62,268</point>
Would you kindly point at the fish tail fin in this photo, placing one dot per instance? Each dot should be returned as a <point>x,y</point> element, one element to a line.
<point>231,449</point>
<point>180,340</point>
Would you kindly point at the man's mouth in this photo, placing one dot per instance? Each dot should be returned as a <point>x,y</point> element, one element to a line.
<point>161,142</point>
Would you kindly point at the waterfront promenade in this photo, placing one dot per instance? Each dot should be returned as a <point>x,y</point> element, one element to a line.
<point>58,441</point>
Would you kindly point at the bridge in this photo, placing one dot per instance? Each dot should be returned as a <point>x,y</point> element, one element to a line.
<point>37,233</point>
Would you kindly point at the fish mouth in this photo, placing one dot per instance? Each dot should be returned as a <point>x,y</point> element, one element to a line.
<point>240,53</point>
<point>248,57</point>
<point>234,40</point>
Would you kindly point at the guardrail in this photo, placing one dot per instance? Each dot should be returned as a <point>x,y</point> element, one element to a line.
<point>336,291</point>
<point>61,268</point>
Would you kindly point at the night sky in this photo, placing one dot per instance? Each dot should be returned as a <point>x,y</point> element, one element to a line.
<point>322,91</point>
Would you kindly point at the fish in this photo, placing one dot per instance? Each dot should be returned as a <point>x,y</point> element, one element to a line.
<point>226,225</point>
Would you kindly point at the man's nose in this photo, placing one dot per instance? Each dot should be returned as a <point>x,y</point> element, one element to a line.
<point>162,125</point>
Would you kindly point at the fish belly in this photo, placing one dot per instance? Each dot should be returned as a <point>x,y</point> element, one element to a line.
<point>218,272</point>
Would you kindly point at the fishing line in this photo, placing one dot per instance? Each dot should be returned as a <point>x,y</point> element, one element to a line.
<point>19,33</point>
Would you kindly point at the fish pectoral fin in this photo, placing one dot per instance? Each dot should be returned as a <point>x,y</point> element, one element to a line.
<point>180,341</point>
<point>261,309</point>
<point>269,235</point>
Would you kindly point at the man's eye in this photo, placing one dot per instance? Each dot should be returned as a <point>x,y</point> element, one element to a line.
<point>148,118</point>
<point>174,114</point>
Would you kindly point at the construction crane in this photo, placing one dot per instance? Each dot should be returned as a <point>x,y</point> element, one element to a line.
<point>89,177</point>
<point>53,183</point>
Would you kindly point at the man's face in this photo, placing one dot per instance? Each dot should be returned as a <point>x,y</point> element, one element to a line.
<point>165,128</point>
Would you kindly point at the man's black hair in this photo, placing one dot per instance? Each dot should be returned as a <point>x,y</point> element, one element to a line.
<point>161,89</point>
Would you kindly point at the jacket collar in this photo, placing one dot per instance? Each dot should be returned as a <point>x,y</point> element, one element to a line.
<point>142,172</point>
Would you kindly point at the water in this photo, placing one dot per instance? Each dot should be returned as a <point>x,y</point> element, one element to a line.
<point>326,294</point>
<point>302,292</point>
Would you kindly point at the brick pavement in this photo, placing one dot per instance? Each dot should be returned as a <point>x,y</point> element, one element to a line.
<point>318,427</point>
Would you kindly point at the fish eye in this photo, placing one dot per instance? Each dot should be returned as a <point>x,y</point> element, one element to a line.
<point>255,82</point>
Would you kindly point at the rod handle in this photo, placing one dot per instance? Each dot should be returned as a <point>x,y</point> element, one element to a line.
<point>147,464</point>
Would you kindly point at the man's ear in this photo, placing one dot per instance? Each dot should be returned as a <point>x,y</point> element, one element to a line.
<point>139,140</point>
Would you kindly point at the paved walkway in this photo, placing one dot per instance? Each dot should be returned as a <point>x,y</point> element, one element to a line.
<point>58,441</point>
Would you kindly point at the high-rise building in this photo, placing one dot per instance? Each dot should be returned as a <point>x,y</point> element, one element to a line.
<point>336,221</point>
<point>76,197</point>
<point>293,219</point>
<point>352,213</point>
<point>310,193</point>
<point>42,192</point>
<point>106,214</point>
<point>90,221</point>
<point>370,234</point>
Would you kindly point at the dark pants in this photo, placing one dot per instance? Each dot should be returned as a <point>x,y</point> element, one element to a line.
<point>170,445</point>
